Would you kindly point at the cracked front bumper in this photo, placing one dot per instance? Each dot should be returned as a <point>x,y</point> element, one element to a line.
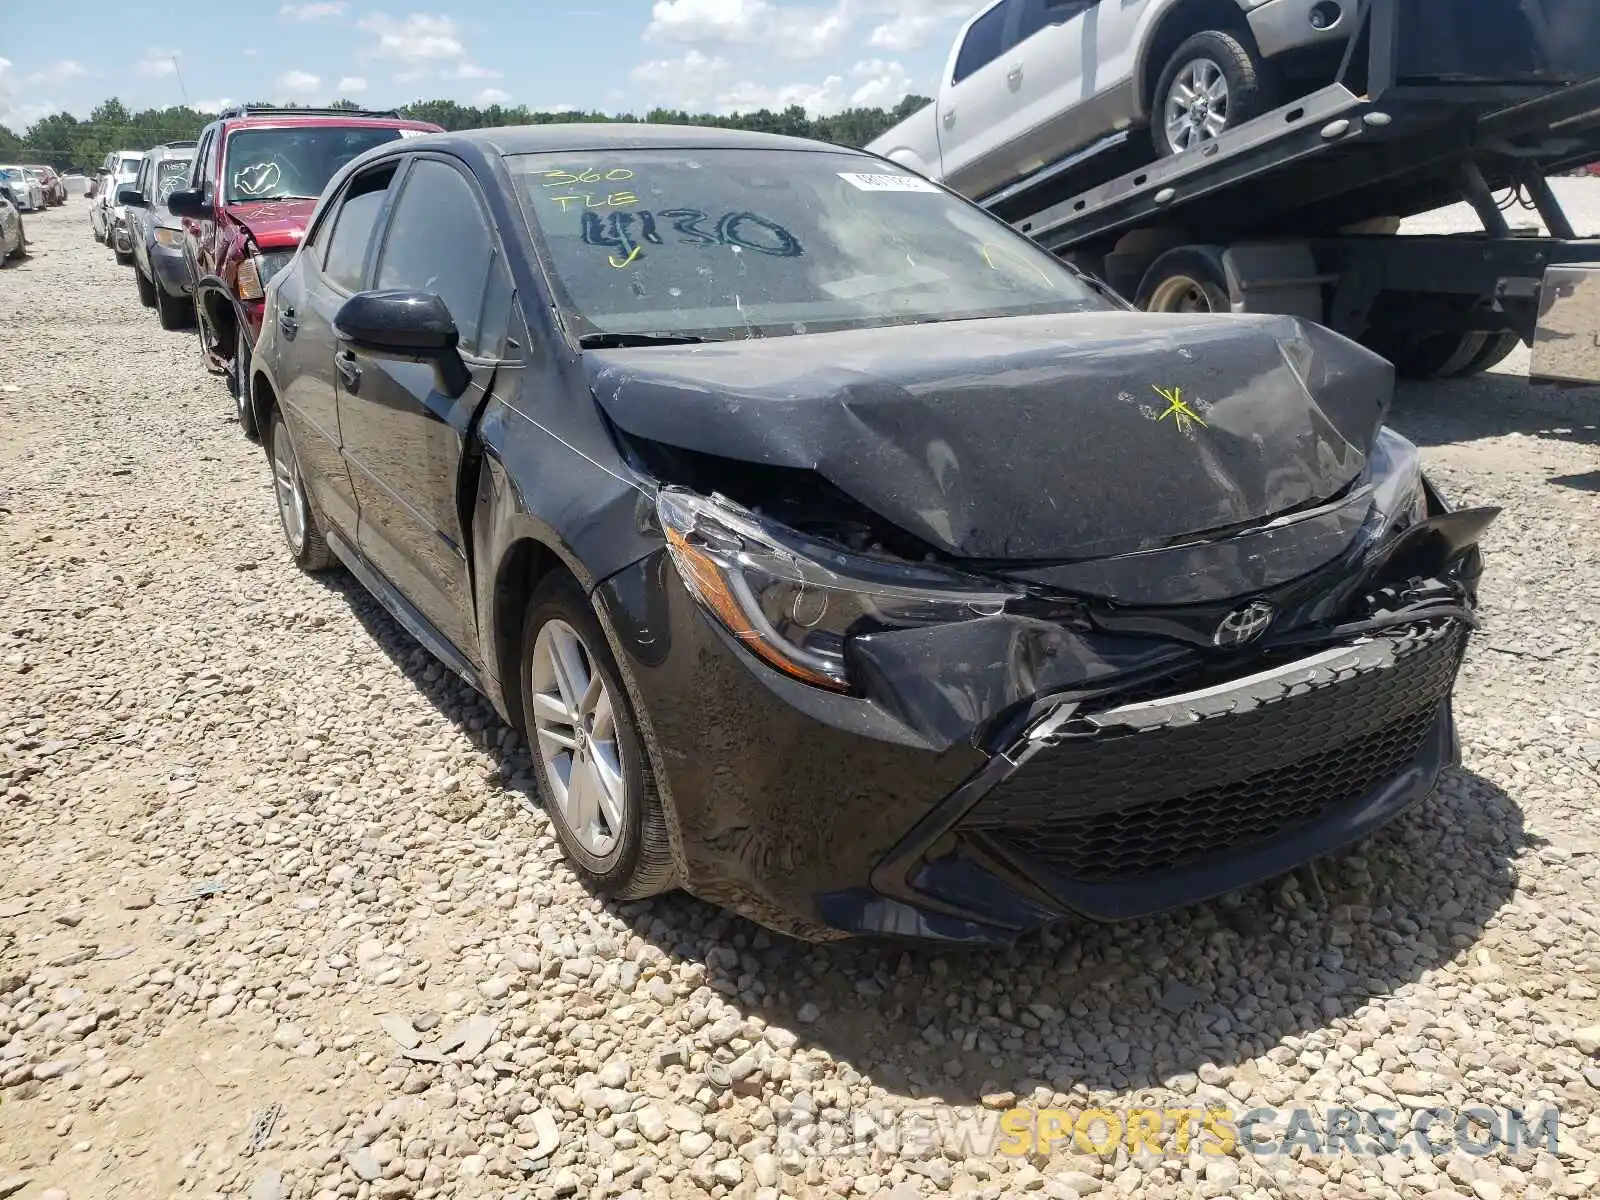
<point>828,816</point>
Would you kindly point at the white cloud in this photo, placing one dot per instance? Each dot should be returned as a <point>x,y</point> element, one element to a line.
<point>158,63</point>
<point>212,106</point>
<point>411,76</point>
<point>350,85</point>
<point>58,72</point>
<point>14,114</point>
<point>680,82</point>
<point>415,38</point>
<point>907,33</point>
<point>473,71</point>
<point>299,83</point>
<point>789,32</point>
<point>493,96</point>
<point>874,83</point>
<point>326,11</point>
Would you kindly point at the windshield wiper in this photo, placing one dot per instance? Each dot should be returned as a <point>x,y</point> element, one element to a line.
<point>612,341</point>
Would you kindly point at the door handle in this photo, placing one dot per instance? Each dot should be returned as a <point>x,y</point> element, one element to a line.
<point>949,118</point>
<point>345,361</point>
<point>1014,76</point>
<point>287,323</point>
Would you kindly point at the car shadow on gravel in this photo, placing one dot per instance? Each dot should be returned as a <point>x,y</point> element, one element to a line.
<point>1467,410</point>
<point>1081,1006</point>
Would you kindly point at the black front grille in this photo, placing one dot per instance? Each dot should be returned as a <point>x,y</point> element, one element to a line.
<point>1125,805</point>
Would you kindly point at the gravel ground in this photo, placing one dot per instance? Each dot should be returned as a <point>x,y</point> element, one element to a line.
<point>278,919</point>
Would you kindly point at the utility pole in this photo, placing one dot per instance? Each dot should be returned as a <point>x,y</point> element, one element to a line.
<point>183,91</point>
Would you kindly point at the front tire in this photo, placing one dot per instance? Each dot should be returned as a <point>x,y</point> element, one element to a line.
<point>147,290</point>
<point>301,530</point>
<point>173,313</point>
<point>594,777</point>
<point>1214,82</point>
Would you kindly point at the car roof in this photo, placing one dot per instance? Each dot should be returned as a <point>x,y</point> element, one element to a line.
<point>616,135</point>
<point>324,120</point>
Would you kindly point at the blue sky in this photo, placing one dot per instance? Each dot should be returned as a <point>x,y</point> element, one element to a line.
<point>713,55</point>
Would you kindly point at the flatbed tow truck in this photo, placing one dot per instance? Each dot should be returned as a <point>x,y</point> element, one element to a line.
<point>1297,211</point>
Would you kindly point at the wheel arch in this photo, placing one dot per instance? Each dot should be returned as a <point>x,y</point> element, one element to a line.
<point>1172,28</point>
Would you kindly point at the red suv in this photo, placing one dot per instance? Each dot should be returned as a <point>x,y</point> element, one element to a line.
<point>257,174</point>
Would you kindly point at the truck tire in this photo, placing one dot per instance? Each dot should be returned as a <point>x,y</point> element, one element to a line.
<point>1212,83</point>
<point>1433,354</point>
<point>1189,279</point>
<point>1497,347</point>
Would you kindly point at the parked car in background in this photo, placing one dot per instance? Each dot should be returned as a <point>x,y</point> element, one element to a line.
<point>677,442</point>
<point>160,271</point>
<point>106,215</point>
<point>13,243</point>
<point>1028,82</point>
<point>26,191</point>
<point>77,185</point>
<point>55,192</point>
<point>257,174</point>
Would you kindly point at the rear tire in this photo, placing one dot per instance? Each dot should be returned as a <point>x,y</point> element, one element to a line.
<point>1203,113</point>
<point>301,529</point>
<point>1431,354</point>
<point>622,850</point>
<point>1189,279</point>
<point>1497,347</point>
<point>147,290</point>
<point>239,383</point>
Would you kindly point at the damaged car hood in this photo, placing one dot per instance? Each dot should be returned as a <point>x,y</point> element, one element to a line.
<point>274,224</point>
<point>1039,439</point>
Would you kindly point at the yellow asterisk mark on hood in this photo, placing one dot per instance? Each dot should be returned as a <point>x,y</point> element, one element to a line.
<point>1178,409</point>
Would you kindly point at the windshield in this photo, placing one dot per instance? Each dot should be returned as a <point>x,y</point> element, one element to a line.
<point>170,174</point>
<point>127,168</point>
<point>760,243</point>
<point>274,164</point>
<point>11,173</point>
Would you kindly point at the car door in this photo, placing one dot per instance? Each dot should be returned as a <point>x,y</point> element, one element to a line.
<point>138,218</point>
<point>196,233</point>
<point>974,103</point>
<point>331,267</point>
<point>403,438</point>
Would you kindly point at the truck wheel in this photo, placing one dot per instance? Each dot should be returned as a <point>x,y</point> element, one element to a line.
<point>1189,279</point>
<point>147,290</point>
<point>1433,354</point>
<point>1496,348</point>
<point>1213,82</point>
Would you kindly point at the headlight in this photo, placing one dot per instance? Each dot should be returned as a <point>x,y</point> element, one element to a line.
<point>1399,500</point>
<point>257,270</point>
<point>790,609</point>
<point>170,238</point>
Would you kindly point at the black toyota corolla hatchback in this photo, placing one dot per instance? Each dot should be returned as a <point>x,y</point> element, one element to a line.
<point>846,559</point>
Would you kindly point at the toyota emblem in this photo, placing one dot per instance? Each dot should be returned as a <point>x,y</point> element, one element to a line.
<point>1244,625</point>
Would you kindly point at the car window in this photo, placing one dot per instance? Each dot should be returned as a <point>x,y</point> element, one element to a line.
<point>439,242</point>
<point>1039,14</point>
<point>351,227</point>
<point>169,175</point>
<point>983,42</point>
<point>767,243</point>
<point>495,322</point>
<point>206,160</point>
<point>271,164</point>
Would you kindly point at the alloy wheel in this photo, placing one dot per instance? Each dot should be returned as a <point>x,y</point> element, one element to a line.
<point>289,490</point>
<point>575,725</point>
<point>1197,105</point>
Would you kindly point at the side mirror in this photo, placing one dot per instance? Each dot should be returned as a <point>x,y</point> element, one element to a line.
<point>409,325</point>
<point>188,202</point>
<point>131,196</point>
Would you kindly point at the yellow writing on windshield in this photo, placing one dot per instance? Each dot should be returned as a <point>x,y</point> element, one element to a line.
<point>994,255</point>
<point>614,200</point>
<point>562,178</point>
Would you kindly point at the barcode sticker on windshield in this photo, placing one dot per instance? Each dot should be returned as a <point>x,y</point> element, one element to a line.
<point>413,133</point>
<point>886,183</point>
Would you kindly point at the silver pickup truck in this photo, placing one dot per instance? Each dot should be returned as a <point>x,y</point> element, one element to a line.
<point>1028,82</point>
